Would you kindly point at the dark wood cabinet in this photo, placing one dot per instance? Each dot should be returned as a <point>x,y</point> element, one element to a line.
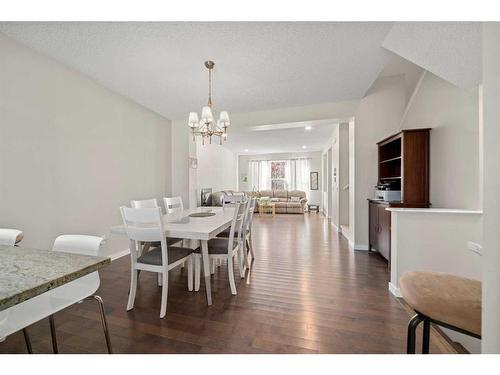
<point>380,228</point>
<point>403,160</point>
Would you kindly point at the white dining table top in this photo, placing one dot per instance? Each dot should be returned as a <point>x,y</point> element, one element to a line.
<point>181,225</point>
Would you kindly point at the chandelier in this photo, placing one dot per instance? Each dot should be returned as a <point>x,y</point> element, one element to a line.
<point>207,127</point>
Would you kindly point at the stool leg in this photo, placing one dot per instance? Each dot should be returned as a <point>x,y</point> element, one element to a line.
<point>411,338</point>
<point>53,334</point>
<point>27,341</point>
<point>426,337</point>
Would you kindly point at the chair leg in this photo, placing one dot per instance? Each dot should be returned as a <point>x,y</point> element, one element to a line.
<point>53,334</point>
<point>241,259</point>
<point>164,294</point>
<point>212,266</point>
<point>426,337</point>
<point>104,322</point>
<point>190,273</point>
<point>250,242</point>
<point>411,338</point>
<point>197,271</point>
<point>27,341</point>
<point>230,272</point>
<point>133,289</point>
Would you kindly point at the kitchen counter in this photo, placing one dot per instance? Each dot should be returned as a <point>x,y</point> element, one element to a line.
<point>26,273</point>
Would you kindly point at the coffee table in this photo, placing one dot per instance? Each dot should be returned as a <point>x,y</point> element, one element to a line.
<point>267,208</point>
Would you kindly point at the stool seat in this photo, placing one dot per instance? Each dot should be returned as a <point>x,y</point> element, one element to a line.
<point>446,298</point>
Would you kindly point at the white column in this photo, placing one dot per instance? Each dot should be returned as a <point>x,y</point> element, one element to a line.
<point>491,189</point>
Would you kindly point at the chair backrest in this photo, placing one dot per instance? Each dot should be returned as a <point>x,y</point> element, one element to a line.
<point>235,232</point>
<point>173,204</point>
<point>78,244</point>
<point>144,225</point>
<point>146,203</point>
<point>247,224</point>
<point>231,200</point>
<point>9,236</point>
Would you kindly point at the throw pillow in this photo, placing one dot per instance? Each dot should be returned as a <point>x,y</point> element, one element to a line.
<point>294,199</point>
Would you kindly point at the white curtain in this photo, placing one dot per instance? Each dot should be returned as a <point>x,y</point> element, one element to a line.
<point>296,174</point>
<point>254,175</point>
<point>302,170</point>
<point>265,175</point>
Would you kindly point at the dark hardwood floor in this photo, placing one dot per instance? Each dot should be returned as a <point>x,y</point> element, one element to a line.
<point>306,293</point>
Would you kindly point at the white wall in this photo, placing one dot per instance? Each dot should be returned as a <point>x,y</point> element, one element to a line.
<point>217,167</point>
<point>72,152</point>
<point>377,116</point>
<point>436,240</point>
<point>491,188</point>
<point>313,196</point>
<point>453,115</point>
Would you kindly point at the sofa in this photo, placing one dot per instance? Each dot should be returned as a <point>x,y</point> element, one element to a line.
<point>283,200</point>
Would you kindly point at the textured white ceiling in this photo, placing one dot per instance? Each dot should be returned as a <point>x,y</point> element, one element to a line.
<point>258,65</point>
<point>450,50</point>
<point>277,138</point>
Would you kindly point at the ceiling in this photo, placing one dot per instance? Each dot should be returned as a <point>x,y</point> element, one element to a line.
<point>279,138</point>
<point>259,66</point>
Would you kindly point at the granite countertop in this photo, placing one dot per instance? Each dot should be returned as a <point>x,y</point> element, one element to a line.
<point>26,273</point>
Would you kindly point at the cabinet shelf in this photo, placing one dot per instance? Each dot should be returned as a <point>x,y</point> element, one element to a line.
<point>391,178</point>
<point>389,160</point>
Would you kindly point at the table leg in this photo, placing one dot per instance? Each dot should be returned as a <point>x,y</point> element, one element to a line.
<point>274,210</point>
<point>206,270</point>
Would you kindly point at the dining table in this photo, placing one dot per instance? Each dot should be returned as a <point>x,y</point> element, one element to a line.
<point>183,225</point>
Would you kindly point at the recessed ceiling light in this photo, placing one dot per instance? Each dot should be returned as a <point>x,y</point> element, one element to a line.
<point>308,127</point>
<point>304,146</point>
<point>246,150</point>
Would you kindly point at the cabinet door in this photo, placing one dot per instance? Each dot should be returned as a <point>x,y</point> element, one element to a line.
<point>384,235</point>
<point>373,212</point>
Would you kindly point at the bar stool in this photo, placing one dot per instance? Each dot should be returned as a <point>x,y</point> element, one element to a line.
<point>449,301</point>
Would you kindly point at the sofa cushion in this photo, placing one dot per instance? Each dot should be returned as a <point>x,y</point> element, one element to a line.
<point>266,193</point>
<point>281,204</point>
<point>297,193</point>
<point>294,204</point>
<point>282,194</point>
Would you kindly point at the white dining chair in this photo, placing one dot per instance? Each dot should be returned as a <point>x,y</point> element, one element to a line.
<point>146,225</point>
<point>246,232</point>
<point>226,248</point>
<point>152,203</point>
<point>173,205</point>
<point>47,304</point>
<point>10,237</point>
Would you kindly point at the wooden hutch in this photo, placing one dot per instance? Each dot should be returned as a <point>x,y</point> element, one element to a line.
<point>403,161</point>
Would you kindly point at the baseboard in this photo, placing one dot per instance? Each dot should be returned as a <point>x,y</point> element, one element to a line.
<point>119,254</point>
<point>336,227</point>
<point>394,290</point>
<point>361,247</point>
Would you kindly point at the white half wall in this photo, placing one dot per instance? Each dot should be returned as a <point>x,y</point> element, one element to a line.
<point>436,240</point>
<point>71,151</point>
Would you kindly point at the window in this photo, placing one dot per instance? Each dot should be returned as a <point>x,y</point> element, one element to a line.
<point>278,175</point>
